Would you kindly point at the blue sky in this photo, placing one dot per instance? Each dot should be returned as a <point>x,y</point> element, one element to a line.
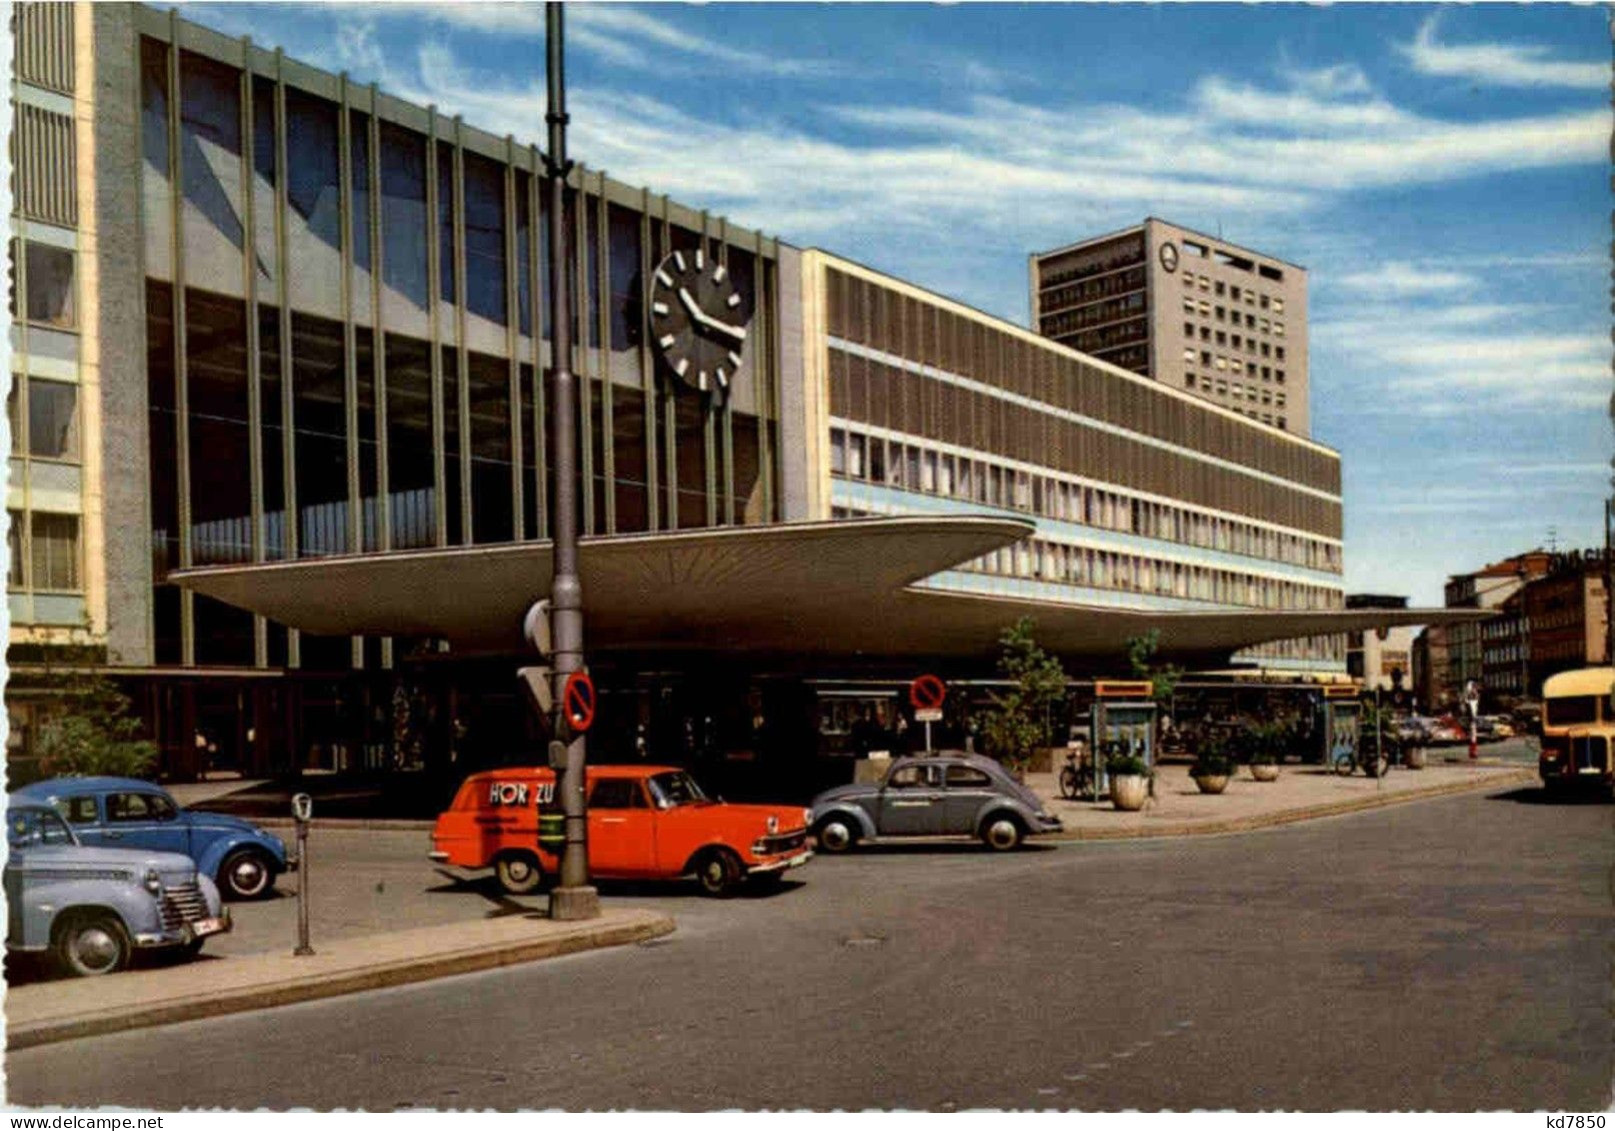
<point>1442,172</point>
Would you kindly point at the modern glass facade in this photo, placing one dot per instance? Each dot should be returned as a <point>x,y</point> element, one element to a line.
<point>341,291</point>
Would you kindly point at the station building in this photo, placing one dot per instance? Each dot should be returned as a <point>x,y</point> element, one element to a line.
<point>279,417</point>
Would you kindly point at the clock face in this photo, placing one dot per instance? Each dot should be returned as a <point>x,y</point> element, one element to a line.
<point>1169,256</point>
<point>696,320</point>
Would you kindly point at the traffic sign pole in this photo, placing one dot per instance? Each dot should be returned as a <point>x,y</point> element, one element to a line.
<point>573,897</point>
<point>925,695</point>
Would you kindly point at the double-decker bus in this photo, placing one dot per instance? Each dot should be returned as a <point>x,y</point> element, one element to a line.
<point>1578,728</point>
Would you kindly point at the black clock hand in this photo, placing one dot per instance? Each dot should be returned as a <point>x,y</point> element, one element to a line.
<point>705,319</point>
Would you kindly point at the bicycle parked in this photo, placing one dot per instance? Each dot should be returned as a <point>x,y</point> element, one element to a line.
<point>1076,776</point>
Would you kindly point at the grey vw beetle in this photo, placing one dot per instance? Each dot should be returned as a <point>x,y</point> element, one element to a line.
<point>945,794</point>
<point>91,908</point>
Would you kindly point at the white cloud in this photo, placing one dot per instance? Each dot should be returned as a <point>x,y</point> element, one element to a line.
<point>1396,278</point>
<point>1467,357</point>
<point>619,33</point>
<point>1498,64</point>
<point>1341,79</point>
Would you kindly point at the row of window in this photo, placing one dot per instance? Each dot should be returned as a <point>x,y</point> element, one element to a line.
<point>44,552</point>
<point>1239,342</point>
<point>1234,292</point>
<point>1065,564</point>
<point>1223,388</point>
<point>1075,319</point>
<point>1229,364</point>
<point>1330,648</point>
<point>1222,314</point>
<point>1103,287</point>
<point>1106,257</point>
<point>1115,336</point>
<point>915,467</point>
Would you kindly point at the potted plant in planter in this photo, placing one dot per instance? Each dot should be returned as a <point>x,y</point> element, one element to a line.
<point>1214,763</point>
<point>1129,781</point>
<point>1266,742</point>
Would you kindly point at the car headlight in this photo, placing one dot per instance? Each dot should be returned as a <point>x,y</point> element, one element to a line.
<point>154,882</point>
<point>773,824</point>
<point>807,816</point>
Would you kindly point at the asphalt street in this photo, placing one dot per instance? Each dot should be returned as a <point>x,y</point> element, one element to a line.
<point>1447,955</point>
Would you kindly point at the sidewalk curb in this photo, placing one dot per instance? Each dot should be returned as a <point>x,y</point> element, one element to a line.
<point>375,824</point>
<point>1293,816</point>
<point>396,973</point>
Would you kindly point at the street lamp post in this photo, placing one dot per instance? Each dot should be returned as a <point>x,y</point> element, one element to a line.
<point>573,897</point>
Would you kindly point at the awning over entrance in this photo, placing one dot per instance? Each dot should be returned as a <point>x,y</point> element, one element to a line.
<point>826,588</point>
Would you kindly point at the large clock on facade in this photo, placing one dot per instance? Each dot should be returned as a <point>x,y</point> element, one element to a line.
<point>1169,256</point>
<point>696,320</point>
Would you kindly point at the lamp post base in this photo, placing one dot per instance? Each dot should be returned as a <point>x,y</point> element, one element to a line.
<point>575,903</point>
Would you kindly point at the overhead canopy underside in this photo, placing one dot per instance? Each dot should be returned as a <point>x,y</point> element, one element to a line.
<point>844,588</point>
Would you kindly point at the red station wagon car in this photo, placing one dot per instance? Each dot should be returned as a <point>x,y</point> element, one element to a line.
<point>645,823</point>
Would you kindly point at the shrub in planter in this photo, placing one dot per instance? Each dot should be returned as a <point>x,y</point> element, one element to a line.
<point>1214,761</point>
<point>1129,781</point>
<point>1265,749</point>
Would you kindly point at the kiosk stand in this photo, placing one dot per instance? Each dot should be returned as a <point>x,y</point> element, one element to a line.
<point>1123,723</point>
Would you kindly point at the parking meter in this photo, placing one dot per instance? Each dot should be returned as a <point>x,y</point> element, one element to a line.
<point>302,814</point>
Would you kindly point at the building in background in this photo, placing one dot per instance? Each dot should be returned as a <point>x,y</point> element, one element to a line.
<point>1220,321</point>
<point>1486,588</point>
<point>1432,669</point>
<point>1505,643</point>
<point>1568,611</point>
<point>1382,658</point>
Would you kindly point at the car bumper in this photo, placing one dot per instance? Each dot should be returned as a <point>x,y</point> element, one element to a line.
<point>1047,825</point>
<point>780,864</point>
<point>438,857</point>
<point>189,933</point>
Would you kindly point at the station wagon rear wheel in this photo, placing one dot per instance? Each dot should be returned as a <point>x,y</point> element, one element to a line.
<point>836,834</point>
<point>1001,832</point>
<point>518,873</point>
<point>718,872</point>
<point>246,874</point>
<point>93,944</point>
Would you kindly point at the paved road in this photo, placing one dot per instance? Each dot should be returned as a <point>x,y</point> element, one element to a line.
<point>1447,955</point>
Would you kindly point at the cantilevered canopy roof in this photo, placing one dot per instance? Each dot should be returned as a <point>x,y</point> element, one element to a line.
<point>843,588</point>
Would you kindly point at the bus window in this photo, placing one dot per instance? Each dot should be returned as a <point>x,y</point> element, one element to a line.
<point>1571,710</point>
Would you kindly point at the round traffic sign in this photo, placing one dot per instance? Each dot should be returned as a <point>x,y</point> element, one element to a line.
<point>927,693</point>
<point>577,701</point>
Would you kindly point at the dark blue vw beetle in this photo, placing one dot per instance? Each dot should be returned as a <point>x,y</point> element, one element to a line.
<point>128,813</point>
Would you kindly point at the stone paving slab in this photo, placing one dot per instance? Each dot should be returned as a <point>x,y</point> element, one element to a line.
<point>68,1009</point>
<point>1301,793</point>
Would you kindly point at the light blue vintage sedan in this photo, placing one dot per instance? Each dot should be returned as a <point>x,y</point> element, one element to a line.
<point>128,813</point>
<point>92,908</point>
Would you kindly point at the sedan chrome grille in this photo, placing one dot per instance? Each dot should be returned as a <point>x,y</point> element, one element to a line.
<point>183,903</point>
<point>785,842</point>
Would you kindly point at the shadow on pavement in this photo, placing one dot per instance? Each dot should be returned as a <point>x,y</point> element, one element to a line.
<point>970,847</point>
<point>1537,795</point>
<point>503,904</point>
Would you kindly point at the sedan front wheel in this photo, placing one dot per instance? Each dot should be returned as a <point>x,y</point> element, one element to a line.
<point>836,834</point>
<point>1001,832</point>
<point>93,944</point>
<point>246,874</point>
